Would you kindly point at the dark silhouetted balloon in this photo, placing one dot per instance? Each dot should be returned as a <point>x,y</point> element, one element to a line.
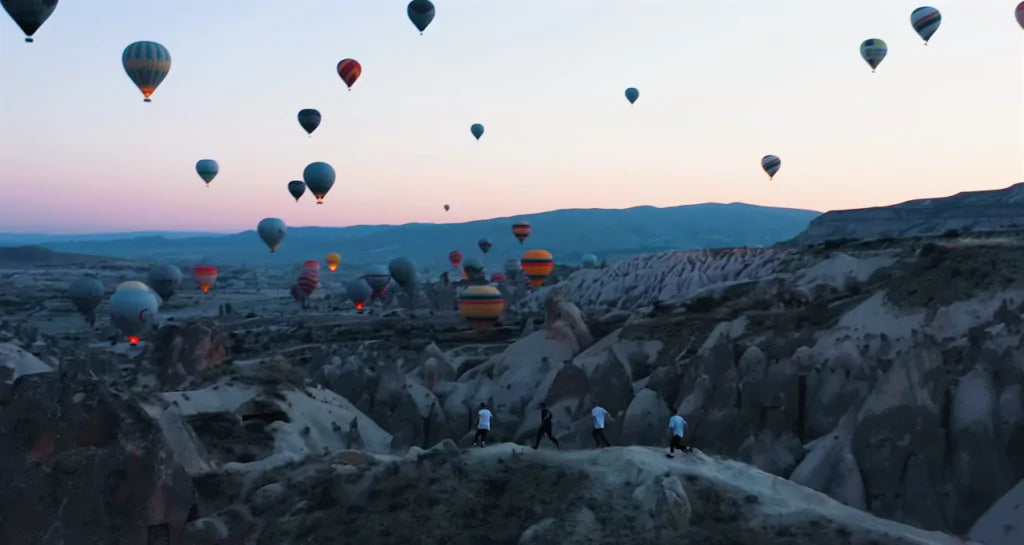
<point>296,188</point>
<point>164,280</point>
<point>29,15</point>
<point>421,13</point>
<point>147,64</point>
<point>319,179</point>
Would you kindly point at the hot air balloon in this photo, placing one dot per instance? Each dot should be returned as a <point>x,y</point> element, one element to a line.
<point>164,280</point>
<point>537,265</point>
<point>403,270</point>
<point>207,169</point>
<point>926,21</point>
<point>132,309</point>
<point>333,260</point>
<point>477,130</point>
<point>205,276</point>
<point>358,291</point>
<point>1019,13</point>
<point>497,278</point>
<point>484,244</point>
<point>29,15</point>
<point>378,277</point>
<point>296,188</point>
<point>632,94</point>
<point>589,261</point>
<point>771,164</point>
<point>473,271</point>
<point>349,70</point>
<point>271,232</point>
<point>319,178</point>
<point>86,293</point>
<point>481,306</point>
<point>147,64</point>
<point>455,257</point>
<point>308,281</point>
<point>421,13</point>
<point>873,51</point>
<point>311,265</point>
<point>309,119</point>
<point>521,229</point>
<point>447,207</point>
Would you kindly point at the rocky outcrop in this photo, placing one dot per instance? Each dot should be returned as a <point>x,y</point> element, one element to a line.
<point>180,351</point>
<point>990,210</point>
<point>80,465</point>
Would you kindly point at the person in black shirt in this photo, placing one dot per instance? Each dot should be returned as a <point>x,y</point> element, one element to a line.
<point>545,426</point>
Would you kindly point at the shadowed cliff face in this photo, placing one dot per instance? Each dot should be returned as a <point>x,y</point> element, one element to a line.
<point>1001,209</point>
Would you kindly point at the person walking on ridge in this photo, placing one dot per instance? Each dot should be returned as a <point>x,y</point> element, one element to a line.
<point>545,427</point>
<point>677,426</point>
<point>483,425</point>
<point>600,415</point>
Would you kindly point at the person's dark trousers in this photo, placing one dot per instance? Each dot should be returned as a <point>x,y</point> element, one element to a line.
<point>480,437</point>
<point>545,430</point>
<point>599,438</point>
<point>678,443</point>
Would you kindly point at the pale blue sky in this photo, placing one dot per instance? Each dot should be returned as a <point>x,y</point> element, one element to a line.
<point>722,82</point>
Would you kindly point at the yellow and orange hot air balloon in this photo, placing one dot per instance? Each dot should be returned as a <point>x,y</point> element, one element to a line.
<point>481,306</point>
<point>537,265</point>
<point>333,260</point>
<point>349,70</point>
<point>205,276</point>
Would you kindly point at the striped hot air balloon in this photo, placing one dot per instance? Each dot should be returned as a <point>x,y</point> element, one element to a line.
<point>926,21</point>
<point>205,276</point>
<point>481,306</point>
<point>147,64</point>
<point>207,170</point>
<point>521,229</point>
<point>455,257</point>
<point>497,278</point>
<point>771,164</point>
<point>537,265</point>
<point>333,260</point>
<point>311,265</point>
<point>307,283</point>
<point>349,70</point>
<point>1019,14</point>
<point>378,277</point>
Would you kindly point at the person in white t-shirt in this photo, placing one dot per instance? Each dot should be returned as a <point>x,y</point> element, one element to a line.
<point>677,427</point>
<point>600,415</point>
<point>483,425</point>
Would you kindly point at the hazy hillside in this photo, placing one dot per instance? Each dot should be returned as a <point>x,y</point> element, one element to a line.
<point>568,234</point>
<point>966,211</point>
<point>34,256</point>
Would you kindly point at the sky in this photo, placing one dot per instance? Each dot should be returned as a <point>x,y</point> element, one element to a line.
<point>722,83</point>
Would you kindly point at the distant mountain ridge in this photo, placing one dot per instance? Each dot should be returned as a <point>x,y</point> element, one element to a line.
<point>568,234</point>
<point>989,210</point>
<point>29,239</point>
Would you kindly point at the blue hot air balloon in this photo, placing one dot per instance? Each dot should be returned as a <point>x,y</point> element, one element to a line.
<point>632,94</point>
<point>477,130</point>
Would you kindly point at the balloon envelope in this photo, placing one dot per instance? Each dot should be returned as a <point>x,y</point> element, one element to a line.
<point>771,165</point>
<point>319,178</point>
<point>333,260</point>
<point>133,310</point>
<point>1019,14</point>
<point>358,291</point>
<point>296,188</point>
<point>309,119</point>
<point>455,257</point>
<point>86,293</point>
<point>421,13</point>
<point>589,261</point>
<point>521,229</point>
<point>271,232</point>
<point>477,130</point>
<point>926,21</point>
<point>481,306</point>
<point>873,51</point>
<point>632,94</point>
<point>164,280</point>
<point>537,265</point>
<point>29,15</point>
<point>484,244</point>
<point>403,270</point>
<point>207,169</point>
<point>349,70</point>
<point>147,64</point>
<point>447,207</point>
<point>205,277</point>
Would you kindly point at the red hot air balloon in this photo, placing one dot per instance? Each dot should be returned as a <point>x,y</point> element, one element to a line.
<point>205,276</point>
<point>307,283</point>
<point>455,257</point>
<point>497,278</point>
<point>349,70</point>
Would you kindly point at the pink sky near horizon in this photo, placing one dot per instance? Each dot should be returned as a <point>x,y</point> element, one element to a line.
<point>721,83</point>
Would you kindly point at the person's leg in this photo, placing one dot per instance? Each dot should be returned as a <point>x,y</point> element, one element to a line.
<point>476,438</point>
<point>674,443</point>
<point>596,434</point>
<point>552,437</point>
<point>483,437</point>
<point>536,441</point>
<point>600,434</point>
